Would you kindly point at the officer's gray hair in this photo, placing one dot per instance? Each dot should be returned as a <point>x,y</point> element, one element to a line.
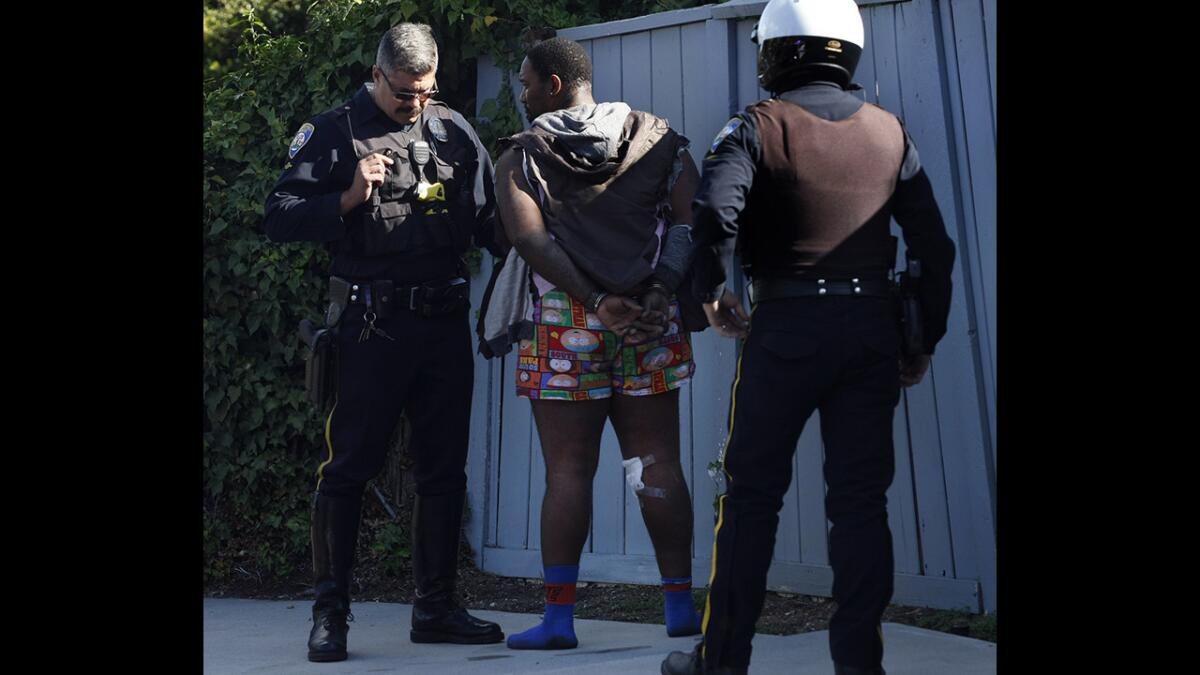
<point>409,47</point>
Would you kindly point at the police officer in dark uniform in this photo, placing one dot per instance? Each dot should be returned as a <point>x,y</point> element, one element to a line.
<point>807,182</point>
<point>396,185</point>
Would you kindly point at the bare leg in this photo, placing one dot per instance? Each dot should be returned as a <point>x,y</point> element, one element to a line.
<point>570,433</point>
<point>649,425</point>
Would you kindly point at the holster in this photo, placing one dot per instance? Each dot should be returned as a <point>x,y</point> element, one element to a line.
<point>320,368</point>
<point>912,333</point>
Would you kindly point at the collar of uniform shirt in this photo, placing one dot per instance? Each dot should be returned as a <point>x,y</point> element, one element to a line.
<point>824,99</point>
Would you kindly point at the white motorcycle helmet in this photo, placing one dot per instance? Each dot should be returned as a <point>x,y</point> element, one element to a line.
<point>805,38</point>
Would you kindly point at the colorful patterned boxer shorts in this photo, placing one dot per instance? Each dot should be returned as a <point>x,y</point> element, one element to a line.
<point>573,357</point>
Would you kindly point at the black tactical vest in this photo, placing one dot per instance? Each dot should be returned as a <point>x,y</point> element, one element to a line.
<point>399,220</point>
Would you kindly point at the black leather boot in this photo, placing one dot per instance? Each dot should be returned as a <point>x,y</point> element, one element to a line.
<point>436,616</point>
<point>334,536</point>
<point>680,663</point>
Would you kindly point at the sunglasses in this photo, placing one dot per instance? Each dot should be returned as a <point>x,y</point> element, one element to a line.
<point>406,96</point>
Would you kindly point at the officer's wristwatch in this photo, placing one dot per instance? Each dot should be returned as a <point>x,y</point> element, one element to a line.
<point>592,304</point>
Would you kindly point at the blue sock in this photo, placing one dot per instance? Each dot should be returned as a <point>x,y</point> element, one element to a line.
<point>557,629</point>
<point>682,618</point>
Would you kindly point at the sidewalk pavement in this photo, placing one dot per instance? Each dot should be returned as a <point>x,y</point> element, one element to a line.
<point>268,636</point>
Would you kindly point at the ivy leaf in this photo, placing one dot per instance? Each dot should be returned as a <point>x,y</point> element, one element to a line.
<point>213,398</point>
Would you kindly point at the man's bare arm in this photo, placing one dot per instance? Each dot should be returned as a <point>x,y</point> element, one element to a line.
<point>527,231</point>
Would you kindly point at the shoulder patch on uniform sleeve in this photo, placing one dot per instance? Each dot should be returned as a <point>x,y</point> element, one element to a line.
<point>302,136</point>
<point>729,128</point>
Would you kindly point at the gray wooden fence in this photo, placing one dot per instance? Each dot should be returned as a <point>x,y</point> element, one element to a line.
<point>932,62</point>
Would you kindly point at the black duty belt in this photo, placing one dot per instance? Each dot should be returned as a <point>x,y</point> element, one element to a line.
<point>428,299</point>
<point>406,297</point>
<point>774,289</point>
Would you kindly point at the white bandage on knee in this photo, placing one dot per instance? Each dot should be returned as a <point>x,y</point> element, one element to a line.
<point>633,476</point>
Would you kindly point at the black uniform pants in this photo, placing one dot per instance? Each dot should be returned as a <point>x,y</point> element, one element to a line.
<point>838,355</point>
<point>427,372</point>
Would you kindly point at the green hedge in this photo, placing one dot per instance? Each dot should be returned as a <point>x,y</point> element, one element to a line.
<point>261,439</point>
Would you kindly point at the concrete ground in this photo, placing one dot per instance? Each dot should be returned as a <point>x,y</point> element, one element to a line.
<point>267,636</point>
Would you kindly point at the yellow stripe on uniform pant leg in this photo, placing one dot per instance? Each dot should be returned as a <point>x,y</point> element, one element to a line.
<point>721,502</point>
<point>713,574</point>
<point>328,444</point>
